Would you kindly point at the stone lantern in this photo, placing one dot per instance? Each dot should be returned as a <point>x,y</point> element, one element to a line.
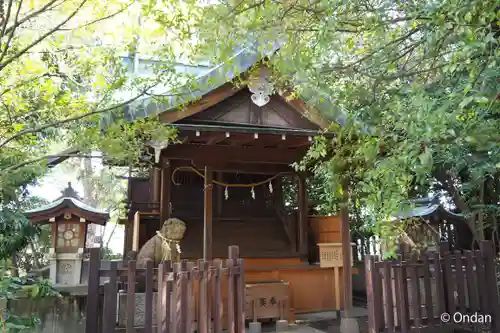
<point>69,218</point>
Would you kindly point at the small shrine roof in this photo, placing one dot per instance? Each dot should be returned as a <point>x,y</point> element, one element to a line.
<point>426,207</point>
<point>71,202</point>
<point>68,200</point>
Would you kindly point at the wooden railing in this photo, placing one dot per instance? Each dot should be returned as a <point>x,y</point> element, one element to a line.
<point>185,292</point>
<point>428,292</point>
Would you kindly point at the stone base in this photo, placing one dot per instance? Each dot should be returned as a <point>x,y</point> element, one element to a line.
<point>140,299</point>
<point>349,325</point>
<point>281,325</point>
<point>255,327</point>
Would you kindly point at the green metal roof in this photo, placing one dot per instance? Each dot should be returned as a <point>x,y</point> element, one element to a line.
<point>210,78</point>
<point>67,201</point>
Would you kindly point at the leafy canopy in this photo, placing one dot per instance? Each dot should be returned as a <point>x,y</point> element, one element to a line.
<point>413,85</point>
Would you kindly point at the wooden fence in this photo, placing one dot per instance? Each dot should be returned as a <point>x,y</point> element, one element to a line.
<point>419,293</point>
<point>171,298</point>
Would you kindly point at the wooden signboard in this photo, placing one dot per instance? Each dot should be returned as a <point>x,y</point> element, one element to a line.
<point>330,255</point>
<point>267,300</point>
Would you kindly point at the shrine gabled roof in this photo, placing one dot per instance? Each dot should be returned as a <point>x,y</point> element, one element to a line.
<point>209,79</point>
<point>92,215</point>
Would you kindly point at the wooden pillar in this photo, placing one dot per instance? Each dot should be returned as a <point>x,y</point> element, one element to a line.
<point>346,249</point>
<point>220,195</point>
<point>302,218</point>
<point>156,179</point>
<point>207,225</point>
<point>129,233</point>
<point>136,232</point>
<point>165,190</point>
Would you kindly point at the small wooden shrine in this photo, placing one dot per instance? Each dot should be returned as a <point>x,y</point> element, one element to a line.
<point>69,218</point>
<point>229,178</point>
<point>429,222</point>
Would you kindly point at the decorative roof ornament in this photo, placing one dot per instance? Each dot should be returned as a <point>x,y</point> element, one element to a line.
<point>69,192</point>
<point>158,146</point>
<point>261,88</point>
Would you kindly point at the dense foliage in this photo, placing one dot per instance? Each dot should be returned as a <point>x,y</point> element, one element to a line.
<point>61,69</point>
<point>62,66</point>
<point>411,87</point>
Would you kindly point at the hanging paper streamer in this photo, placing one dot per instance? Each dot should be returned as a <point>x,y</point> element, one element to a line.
<point>253,193</point>
<point>226,193</point>
<point>270,187</point>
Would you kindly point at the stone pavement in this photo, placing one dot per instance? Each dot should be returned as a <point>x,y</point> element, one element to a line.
<point>320,322</point>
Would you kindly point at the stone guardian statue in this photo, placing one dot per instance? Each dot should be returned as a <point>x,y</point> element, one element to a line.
<point>164,245</point>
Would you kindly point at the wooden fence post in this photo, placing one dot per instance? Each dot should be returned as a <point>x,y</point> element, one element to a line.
<point>481,276</point>
<point>148,299</point>
<point>203,313</point>
<point>230,264</point>
<point>131,279</point>
<point>238,283</point>
<point>218,308</point>
<point>402,286</point>
<point>92,311</point>
<point>160,300</point>
<point>389,304</point>
<point>415,293</point>
<point>174,300</point>
<point>110,300</point>
<point>472,287</point>
<point>460,279</point>
<point>163,314</point>
<point>370,284</point>
<point>491,281</point>
<point>449,286</point>
<point>441,295</point>
<point>429,302</point>
<point>192,272</point>
<point>184,296</point>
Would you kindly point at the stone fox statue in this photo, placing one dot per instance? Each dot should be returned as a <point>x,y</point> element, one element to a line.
<point>164,245</point>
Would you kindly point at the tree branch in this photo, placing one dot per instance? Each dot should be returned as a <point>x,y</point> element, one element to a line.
<point>41,38</point>
<point>102,18</point>
<point>28,17</point>
<point>30,80</point>
<point>6,19</point>
<point>11,35</point>
<point>371,54</point>
<point>79,117</point>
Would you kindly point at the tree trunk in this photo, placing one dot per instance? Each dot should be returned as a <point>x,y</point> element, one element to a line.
<point>36,260</point>
<point>88,195</point>
<point>14,270</point>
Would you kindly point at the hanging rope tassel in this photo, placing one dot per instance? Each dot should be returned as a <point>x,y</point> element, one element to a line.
<point>226,193</point>
<point>253,193</point>
<point>270,187</point>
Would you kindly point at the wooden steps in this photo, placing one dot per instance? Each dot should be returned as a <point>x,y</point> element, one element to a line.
<point>253,236</point>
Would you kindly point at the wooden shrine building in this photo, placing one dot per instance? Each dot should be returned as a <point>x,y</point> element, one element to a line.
<point>231,181</point>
